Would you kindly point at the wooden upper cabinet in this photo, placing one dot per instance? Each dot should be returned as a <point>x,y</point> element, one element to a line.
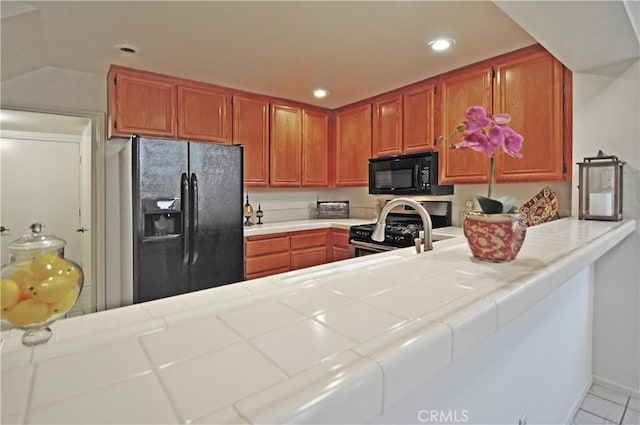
<point>459,90</point>
<point>251,130</point>
<point>141,103</point>
<point>204,114</point>
<point>529,88</point>
<point>315,148</point>
<point>353,145</point>
<point>419,118</point>
<point>387,126</point>
<point>286,146</point>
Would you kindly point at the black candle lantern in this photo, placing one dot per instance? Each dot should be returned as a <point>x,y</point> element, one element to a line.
<point>600,188</point>
<point>248,212</point>
<point>259,214</point>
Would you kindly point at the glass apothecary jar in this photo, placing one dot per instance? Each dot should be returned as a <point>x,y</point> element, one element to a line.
<point>39,285</point>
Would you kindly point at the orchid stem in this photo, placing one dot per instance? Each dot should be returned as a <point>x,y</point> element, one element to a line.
<point>492,172</point>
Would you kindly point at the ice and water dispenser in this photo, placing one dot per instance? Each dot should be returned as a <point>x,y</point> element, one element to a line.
<point>162,217</point>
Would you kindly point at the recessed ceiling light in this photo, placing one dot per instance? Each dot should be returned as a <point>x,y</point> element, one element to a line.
<point>441,44</point>
<point>320,93</point>
<point>126,48</point>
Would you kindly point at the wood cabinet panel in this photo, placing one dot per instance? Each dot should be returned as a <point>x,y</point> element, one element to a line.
<point>266,255</point>
<point>251,130</point>
<point>266,273</point>
<point>315,148</point>
<point>340,237</point>
<point>340,253</point>
<point>353,145</point>
<point>308,257</point>
<point>204,114</point>
<point>339,245</point>
<point>271,262</point>
<point>286,146</point>
<point>308,239</point>
<point>419,118</point>
<point>141,104</point>
<point>529,89</point>
<point>387,126</point>
<point>266,245</point>
<point>459,90</point>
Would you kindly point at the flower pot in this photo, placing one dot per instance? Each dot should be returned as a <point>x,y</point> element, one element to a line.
<point>494,237</point>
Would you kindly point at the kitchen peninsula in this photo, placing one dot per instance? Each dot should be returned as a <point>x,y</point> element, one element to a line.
<point>387,338</point>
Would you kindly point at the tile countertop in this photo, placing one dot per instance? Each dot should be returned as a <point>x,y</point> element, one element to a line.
<point>310,345</point>
<point>297,225</point>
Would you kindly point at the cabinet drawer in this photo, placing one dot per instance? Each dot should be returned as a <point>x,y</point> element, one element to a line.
<point>308,257</point>
<point>266,273</point>
<point>266,246</point>
<point>308,239</point>
<point>279,261</point>
<point>341,238</point>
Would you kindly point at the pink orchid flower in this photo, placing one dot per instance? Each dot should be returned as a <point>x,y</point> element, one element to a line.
<point>512,142</point>
<point>497,137</point>
<point>477,118</point>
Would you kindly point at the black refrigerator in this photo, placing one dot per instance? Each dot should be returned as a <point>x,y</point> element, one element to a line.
<point>187,217</point>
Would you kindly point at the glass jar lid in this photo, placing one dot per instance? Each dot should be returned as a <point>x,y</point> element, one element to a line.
<point>36,240</point>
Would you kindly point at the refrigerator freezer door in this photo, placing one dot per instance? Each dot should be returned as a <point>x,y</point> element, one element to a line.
<point>217,239</point>
<point>159,269</point>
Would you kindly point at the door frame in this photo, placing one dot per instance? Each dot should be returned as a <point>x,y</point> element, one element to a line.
<point>97,232</point>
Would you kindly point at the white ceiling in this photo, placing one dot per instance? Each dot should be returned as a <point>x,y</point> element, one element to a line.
<point>286,49</point>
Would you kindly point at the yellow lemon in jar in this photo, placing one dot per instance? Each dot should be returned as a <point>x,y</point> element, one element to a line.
<point>28,312</point>
<point>65,303</point>
<point>26,289</point>
<point>49,265</point>
<point>52,289</point>
<point>9,293</point>
<point>23,275</point>
<point>73,273</point>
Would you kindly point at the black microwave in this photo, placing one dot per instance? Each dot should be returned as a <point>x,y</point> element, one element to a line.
<point>414,174</point>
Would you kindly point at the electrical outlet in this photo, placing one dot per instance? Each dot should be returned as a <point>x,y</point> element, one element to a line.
<point>523,420</point>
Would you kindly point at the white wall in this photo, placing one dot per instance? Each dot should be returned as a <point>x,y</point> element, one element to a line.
<point>606,111</point>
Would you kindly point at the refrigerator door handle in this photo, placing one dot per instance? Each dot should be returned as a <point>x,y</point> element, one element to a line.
<point>184,194</point>
<point>194,215</point>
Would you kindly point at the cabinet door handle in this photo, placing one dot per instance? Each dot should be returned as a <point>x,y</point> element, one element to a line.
<point>4,229</point>
<point>82,230</point>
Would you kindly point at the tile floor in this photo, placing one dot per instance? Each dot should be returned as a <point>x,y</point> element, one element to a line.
<point>604,406</point>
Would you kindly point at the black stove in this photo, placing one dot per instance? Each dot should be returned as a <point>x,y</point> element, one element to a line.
<point>403,225</point>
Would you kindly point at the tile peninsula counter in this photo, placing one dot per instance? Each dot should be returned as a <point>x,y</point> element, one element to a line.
<point>397,337</point>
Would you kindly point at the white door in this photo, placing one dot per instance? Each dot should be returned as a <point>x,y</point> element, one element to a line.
<point>40,182</point>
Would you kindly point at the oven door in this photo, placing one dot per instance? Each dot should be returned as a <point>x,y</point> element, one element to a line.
<point>359,249</point>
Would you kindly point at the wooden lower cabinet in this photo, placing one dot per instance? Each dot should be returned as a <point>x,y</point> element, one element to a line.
<point>308,248</point>
<point>340,245</point>
<point>267,255</point>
